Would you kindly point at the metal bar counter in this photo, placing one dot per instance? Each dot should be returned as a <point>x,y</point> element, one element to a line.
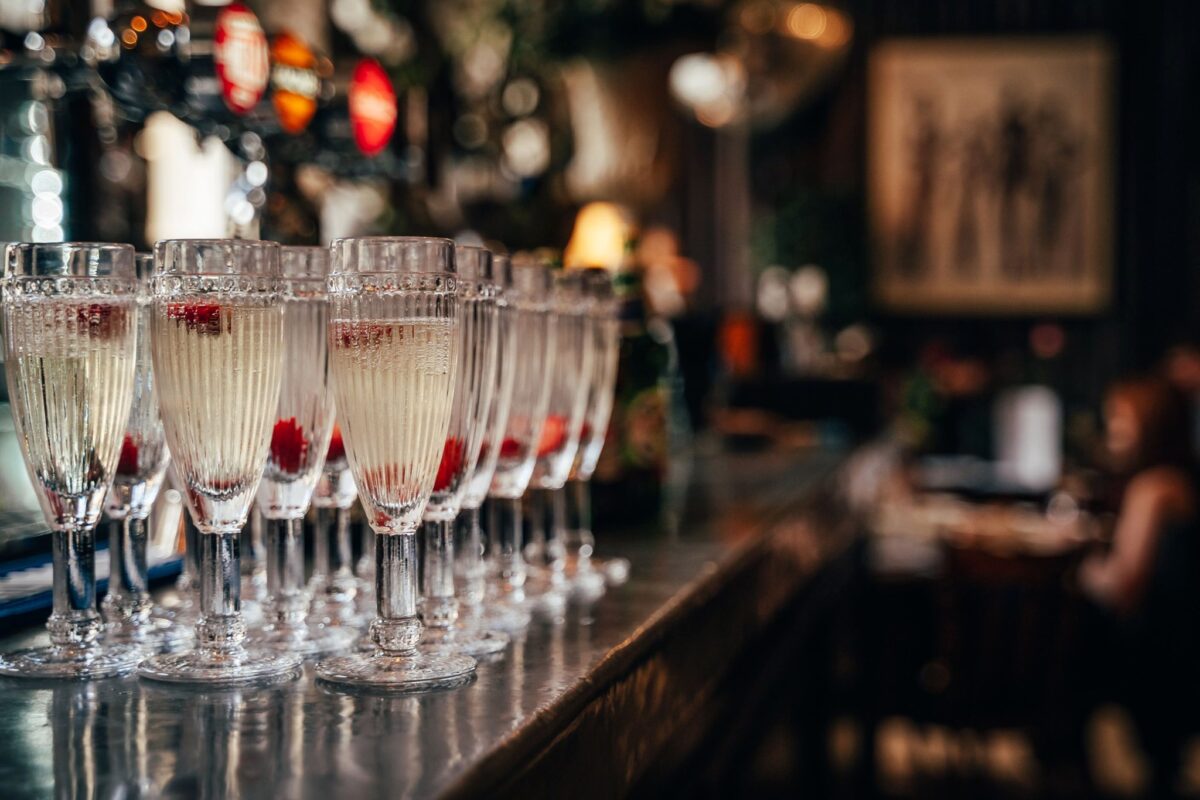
<point>592,704</point>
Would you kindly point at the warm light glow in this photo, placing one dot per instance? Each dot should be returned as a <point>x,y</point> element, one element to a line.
<point>138,23</point>
<point>807,21</point>
<point>129,38</point>
<point>837,31</point>
<point>599,238</point>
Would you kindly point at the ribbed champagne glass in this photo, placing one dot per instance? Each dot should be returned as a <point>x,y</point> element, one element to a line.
<point>393,340</point>
<point>141,469</point>
<point>70,337</point>
<point>560,438</point>
<point>473,393</point>
<point>218,343</point>
<point>533,327</point>
<point>299,441</point>
<point>469,546</point>
<point>588,578</point>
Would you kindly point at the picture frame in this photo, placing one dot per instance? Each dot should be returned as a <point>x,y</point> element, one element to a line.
<point>990,175</point>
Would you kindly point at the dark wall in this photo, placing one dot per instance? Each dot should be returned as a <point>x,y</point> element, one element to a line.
<point>1157,282</point>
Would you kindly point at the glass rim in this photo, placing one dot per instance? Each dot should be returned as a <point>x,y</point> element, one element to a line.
<point>179,250</point>
<point>304,262</point>
<point>439,240</point>
<point>267,243</point>
<point>121,259</point>
<point>341,249</point>
<point>482,268</point>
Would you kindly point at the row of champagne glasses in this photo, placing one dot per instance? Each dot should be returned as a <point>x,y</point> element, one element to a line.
<point>428,373</point>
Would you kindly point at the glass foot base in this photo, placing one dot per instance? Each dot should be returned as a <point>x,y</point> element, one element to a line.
<point>336,616</point>
<point>221,669</point>
<point>305,641</point>
<point>252,613</point>
<point>417,672</point>
<point>504,617</point>
<point>614,570</point>
<point>157,634</point>
<point>588,585</point>
<point>469,641</point>
<point>72,663</point>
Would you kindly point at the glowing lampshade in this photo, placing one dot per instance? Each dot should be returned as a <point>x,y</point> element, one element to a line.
<point>601,233</point>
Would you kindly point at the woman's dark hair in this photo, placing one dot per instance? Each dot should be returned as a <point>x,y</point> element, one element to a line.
<point>1163,416</point>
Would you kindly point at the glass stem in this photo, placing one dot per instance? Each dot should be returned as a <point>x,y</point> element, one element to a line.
<point>556,536</point>
<point>581,496</point>
<point>188,578</point>
<point>74,620</point>
<point>333,578</point>
<point>506,530</point>
<point>252,547</point>
<point>220,628</point>
<point>470,573</point>
<point>397,628</point>
<point>287,598</point>
<point>323,533</point>
<point>128,598</point>
<point>342,558</point>
<point>535,513</point>
<point>441,605</point>
<point>365,569</point>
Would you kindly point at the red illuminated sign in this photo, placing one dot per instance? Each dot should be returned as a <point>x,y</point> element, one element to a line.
<point>242,57</point>
<point>372,107</point>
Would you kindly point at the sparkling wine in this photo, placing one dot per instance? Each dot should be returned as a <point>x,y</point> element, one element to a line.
<point>335,487</point>
<point>394,382</point>
<point>472,398</point>
<point>142,463</point>
<point>533,330</point>
<point>606,343</point>
<point>569,383</point>
<point>304,421</point>
<point>70,377</point>
<point>217,360</point>
<point>480,479</point>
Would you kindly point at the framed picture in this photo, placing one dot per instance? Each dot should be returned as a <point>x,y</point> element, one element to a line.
<point>990,175</point>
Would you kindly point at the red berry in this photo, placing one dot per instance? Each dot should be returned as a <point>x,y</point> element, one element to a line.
<point>359,334</point>
<point>102,320</point>
<point>510,448</point>
<point>205,318</point>
<point>289,448</point>
<point>554,435</point>
<point>452,461</point>
<point>127,464</point>
<point>337,448</point>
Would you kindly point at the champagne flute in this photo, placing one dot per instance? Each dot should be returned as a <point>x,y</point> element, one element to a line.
<point>559,441</point>
<point>393,341</point>
<point>473,393</point>
<point>606,344</point>
<point>299,441</point>
<point>334,584</point>
<point>70,336</point>
<point>533,327</point>
<point>141,469</point>
<point>218,341</point>
<point>470,570</point>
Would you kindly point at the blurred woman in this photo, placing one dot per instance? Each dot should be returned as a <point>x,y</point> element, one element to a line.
<point>1143,642</point>
<point>1149,447</point>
